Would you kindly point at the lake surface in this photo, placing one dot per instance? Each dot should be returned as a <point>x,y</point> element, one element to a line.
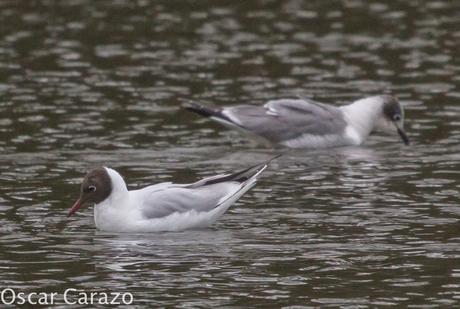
<point>85,83</point>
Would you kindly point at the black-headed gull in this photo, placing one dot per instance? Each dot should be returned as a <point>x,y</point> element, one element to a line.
<point>162,207</point>
<point>304,123</point>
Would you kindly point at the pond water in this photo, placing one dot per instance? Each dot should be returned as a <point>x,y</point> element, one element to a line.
<point>85,83</point>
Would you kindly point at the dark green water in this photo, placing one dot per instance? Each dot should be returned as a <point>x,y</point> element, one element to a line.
<point>85,83</point>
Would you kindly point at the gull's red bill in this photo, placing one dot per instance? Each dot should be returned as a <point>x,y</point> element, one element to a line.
<point>74,208</point>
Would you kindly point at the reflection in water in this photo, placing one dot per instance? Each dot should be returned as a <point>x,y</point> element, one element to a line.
<point>85,83</point>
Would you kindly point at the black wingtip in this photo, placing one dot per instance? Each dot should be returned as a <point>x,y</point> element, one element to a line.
<point>275,157</point>
<point>255,170</point>
<point>243,175</point>
<point>200,109</point>
<point>263,166</point>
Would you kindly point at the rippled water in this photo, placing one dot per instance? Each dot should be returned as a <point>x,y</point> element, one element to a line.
<point>84,83</point>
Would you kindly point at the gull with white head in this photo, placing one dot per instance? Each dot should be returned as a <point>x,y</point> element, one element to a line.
<point>304,123</point>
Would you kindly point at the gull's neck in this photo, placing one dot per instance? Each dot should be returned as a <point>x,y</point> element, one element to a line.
<point>119,189</point>
<point>362,116</point>
<point>114,211</point>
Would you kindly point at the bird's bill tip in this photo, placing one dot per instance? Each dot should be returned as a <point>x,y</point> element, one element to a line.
<point>74,208</point>
<point>404,136</point>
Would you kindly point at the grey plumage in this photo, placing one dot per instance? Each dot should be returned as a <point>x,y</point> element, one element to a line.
<point>202,196</point>
<point>304,123</point>
<point>289,119</point>
<point>279,120</point>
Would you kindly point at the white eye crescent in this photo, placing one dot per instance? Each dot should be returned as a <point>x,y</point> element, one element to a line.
<point>397,117</point>
<point>92,188</point>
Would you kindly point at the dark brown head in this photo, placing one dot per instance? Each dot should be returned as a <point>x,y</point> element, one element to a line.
<point>393,114</point>
<point>96,187</point>
<point>392,109</point>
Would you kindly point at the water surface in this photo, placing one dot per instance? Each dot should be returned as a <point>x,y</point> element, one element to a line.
<point>84,83</point>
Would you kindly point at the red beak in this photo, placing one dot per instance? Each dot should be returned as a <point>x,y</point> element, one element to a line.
<point>74,208</point>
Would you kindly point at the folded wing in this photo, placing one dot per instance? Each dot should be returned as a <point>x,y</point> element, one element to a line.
<point>279,120</point>
<point>202,196</point>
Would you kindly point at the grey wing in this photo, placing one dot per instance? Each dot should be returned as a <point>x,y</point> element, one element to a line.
<point>165,199</point>
<point>281,120</point>
<point>162,203</point>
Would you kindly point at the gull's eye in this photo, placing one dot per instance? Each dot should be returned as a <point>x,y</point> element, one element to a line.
<point>397,117</point>
<point>91,188</point>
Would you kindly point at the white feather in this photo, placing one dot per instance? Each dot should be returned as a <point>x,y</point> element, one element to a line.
<point>122,210</point>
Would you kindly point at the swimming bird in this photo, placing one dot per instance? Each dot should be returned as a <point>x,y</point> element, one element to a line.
<point>161,207</point>
<point>304,123</point>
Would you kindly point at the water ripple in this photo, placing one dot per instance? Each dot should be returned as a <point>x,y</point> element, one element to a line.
<point>86,83</point>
